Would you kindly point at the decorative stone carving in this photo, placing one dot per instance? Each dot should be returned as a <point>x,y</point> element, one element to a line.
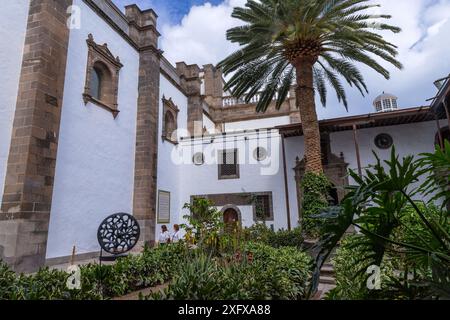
<point>102,61</point>
<point>170,120</point>
<point>335,170</point>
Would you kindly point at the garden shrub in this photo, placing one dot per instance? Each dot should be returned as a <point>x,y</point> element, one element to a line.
<point>205,225</point>
<point>351,279</point>
<point>152,267</point>
<point>315,189</point>
<point>7,281</point>
<point>400,272</point>
<point>259,232</point>
<point>260,272</point>
<point>286,238</point>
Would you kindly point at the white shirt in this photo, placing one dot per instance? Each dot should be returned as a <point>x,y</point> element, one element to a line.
<point>164,237</point>
<point>176,236</point>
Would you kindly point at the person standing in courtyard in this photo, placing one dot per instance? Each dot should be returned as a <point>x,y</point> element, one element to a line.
<point>176,233</point>
<point>164,236</point>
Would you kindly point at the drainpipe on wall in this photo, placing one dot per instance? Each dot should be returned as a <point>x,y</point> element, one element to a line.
<point>286,189</point>
<point>358,157</point>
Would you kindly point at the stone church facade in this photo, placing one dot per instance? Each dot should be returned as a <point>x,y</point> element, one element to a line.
<point>94,120</point>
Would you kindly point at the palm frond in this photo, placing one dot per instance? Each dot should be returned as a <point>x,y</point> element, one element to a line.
<point>345,31</point>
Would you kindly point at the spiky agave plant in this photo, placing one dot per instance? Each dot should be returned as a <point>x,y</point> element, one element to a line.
<point>307,43</point>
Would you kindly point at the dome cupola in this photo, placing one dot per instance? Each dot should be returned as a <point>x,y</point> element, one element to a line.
<point>385,102</point>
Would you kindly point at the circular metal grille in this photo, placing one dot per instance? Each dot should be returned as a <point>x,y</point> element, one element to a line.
<point>383,141</point>
<point>118,233</point>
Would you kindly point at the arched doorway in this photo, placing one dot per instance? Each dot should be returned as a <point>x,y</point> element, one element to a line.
<point>333,197</point>
<point>231,218</point>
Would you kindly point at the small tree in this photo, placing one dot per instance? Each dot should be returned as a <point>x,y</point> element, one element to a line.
<point>204,224</point>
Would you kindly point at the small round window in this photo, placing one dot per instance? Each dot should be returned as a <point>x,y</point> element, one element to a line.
<point>260,154</point>
<point>198,159</point>
<point>383,141</point>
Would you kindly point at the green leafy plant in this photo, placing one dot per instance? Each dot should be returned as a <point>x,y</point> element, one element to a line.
<point>383,205</point>
<point>314,188</point>
<point>205,224</point>
<point>259,232</point>
<point>259,272</point>
<point>349,267</point>
<point>152,267</point>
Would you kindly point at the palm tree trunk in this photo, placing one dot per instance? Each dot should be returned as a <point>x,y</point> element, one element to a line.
<point>307,106</point>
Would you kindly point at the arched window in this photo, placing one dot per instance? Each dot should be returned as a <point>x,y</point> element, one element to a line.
<point>169,125</point>
<point>101,86</point>
<point>96,82</point>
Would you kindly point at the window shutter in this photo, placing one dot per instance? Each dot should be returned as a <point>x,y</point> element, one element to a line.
<point>163,207</point>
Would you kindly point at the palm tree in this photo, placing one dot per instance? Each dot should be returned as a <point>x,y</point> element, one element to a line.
<point>306,43</point>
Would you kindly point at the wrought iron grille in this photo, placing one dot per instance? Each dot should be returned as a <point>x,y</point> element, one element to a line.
<point>228,166</point>
<point>118,233</point>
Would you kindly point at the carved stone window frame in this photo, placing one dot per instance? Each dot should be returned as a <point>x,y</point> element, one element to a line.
<point>169,107</point>
<point>101,54</point>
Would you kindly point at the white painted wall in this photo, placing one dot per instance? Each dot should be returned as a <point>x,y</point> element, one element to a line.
<point>294,148</point>
<point>13,23</point>
<point>257,123</point>
<point>208,124</point>
<point>95,162</point>
<point>197,180</point>
<point>408,139</point>
<point>200,180</point>
<point>168,171</point>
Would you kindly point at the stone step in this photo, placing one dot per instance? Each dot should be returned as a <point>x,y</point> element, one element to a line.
<point>327,265</point>
<point>327,280</point>
<point>327,270</point>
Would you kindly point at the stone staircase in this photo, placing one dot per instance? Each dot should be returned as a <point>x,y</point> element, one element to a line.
<point>326,281</point>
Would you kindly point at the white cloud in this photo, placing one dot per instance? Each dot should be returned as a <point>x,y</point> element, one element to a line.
<point>423,49</point>
<point>200,37</point>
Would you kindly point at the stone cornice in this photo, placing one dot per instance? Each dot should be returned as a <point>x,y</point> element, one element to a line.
<point>119,30</point>
<point>173,82</point>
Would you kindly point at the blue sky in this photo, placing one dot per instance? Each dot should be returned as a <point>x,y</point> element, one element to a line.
<point>194,31</point>
<point>169,11</point>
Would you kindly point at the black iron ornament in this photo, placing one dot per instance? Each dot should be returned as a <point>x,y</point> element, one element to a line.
<point>118,233</point>
<point>384,141</point>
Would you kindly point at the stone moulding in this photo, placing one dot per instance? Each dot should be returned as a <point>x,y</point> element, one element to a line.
<point>110,84</point>
<point>169,107</point>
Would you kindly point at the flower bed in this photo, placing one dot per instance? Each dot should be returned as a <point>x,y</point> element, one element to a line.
<point>152,267</point>
<point>260,272</point>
